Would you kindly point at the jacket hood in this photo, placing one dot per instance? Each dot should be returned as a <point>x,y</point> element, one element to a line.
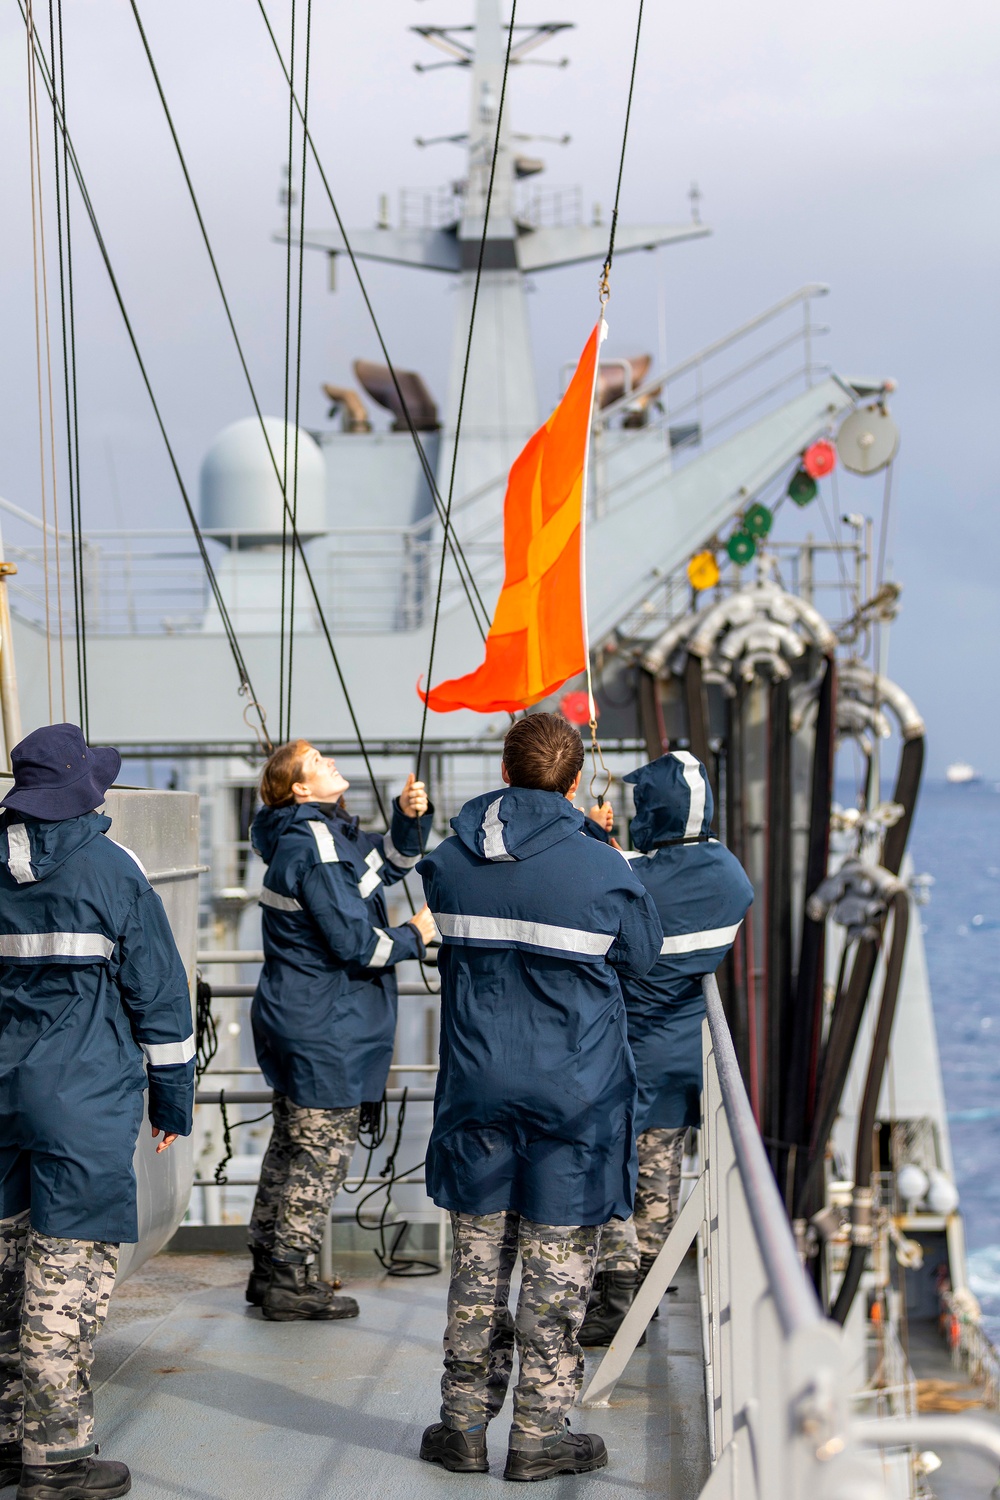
<point>515,823</point>
<point>271,823</point>
<point>673,800</point>
<point>32,848</point>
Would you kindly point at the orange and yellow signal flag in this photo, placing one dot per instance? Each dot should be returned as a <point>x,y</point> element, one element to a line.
<point>538,639</point>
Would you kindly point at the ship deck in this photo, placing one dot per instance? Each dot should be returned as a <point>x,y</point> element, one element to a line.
<point>205,1400</point>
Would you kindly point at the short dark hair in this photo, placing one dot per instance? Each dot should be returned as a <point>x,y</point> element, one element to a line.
<point>543,751</point>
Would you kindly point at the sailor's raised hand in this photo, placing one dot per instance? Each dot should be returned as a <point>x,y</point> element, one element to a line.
<point>424,923</point>
<point>413,797</point>
<point>604,816</point>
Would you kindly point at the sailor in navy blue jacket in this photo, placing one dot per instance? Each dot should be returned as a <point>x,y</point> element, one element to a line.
<point>533,1142</point>
<point>536,1094</point>
<point>702,894</point>
<point>324,1015</point>
<point>91,989</point>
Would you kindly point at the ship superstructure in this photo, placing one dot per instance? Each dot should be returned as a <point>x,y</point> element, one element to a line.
<point>725,618</point>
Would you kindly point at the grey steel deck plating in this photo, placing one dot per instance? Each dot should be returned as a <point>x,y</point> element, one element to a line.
<point>202,1398</point>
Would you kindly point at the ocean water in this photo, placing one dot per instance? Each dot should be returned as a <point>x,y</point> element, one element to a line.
<point>956,839</point>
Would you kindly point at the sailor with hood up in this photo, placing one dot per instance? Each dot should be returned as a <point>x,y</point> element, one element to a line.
<point>702,895</point>
<point>532,1147</point>
<point>324,1015</point>
<point>91,988</point>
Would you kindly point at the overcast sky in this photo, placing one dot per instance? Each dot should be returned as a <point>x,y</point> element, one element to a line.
<point>855,146</point>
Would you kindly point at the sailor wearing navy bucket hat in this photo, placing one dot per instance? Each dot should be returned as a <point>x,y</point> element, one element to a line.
<point>91,983</point>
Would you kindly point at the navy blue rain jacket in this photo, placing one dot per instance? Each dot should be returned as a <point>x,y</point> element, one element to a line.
<point>535,1099</point>
<point>90,983</point>
<point>702,895</point>
<point>324,1015</point>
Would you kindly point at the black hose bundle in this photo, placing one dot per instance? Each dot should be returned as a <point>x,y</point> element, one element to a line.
<point>861,1211</point>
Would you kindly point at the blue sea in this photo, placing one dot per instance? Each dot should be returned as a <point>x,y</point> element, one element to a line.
<point>956,839</point>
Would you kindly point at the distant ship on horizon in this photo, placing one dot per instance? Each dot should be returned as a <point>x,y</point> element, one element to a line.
<point>960,773</point>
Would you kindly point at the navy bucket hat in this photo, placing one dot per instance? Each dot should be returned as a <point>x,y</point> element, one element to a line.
<point>58,775</point>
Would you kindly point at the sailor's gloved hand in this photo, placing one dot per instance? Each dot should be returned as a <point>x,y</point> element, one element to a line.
<point>413,798</point>
<point>424,923</point>
<point>603,816</point>
<point>168,1140</point>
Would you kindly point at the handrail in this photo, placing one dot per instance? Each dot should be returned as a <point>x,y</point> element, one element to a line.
<point>794,1299</point>
<point>652,382</point>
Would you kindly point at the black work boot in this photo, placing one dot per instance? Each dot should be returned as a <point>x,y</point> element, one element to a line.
<point>603,1322</point>
<point>82,1479</point>
<point>576,1453</point>
<point>294,1293</point>
<point>10,1464</point>
<point>458,1452</point>
<point>260,1276</point>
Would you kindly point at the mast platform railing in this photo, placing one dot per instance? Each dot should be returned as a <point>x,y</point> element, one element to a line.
<point>377,579</point>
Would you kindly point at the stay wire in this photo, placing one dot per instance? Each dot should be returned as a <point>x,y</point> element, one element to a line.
<point>31,41</point>
<point>69,384</point>
<point>246,685</point>
<point>606,271</point>
<point>75,451</point>
<point>462,565</point>
<point>461,394</point>
<point>604,292</point>
<point>296,538</point>
<point>283,732</point>
<point>298,356</point>
<point>56,528</point>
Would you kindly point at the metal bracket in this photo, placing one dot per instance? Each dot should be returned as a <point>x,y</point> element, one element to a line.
<point>648,1298</point>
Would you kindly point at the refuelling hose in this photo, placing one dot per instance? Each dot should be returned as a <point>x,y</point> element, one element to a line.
<point>861,1207</point>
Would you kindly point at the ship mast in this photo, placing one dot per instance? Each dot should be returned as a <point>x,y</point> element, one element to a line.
<point>500,409</point>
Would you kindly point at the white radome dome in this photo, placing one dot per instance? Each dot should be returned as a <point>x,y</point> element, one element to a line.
<point>240,489</point>
<point>942,1195</point>
<point>911,1182</point>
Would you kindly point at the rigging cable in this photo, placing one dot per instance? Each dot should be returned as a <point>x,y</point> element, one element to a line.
<point>480,613</point>
<point>604,294</point>
<point>296,538</point>
<point>283,732</point>
<point>43,258</point>
<point>461,394</point>
<point>36,186</point>
<point>298,362</point>
<point>606,270</point>
<point>288,517</point>
<point>68,326</point>
<point>246,685</point>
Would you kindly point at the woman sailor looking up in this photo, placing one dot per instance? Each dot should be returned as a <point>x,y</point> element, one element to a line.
<point>324,1015</point>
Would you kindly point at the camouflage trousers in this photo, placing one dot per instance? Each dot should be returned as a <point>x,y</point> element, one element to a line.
<point>54,1296</point>
<point>303,1170</point>
<point>557,1274</point>
<point>657,1195</point>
